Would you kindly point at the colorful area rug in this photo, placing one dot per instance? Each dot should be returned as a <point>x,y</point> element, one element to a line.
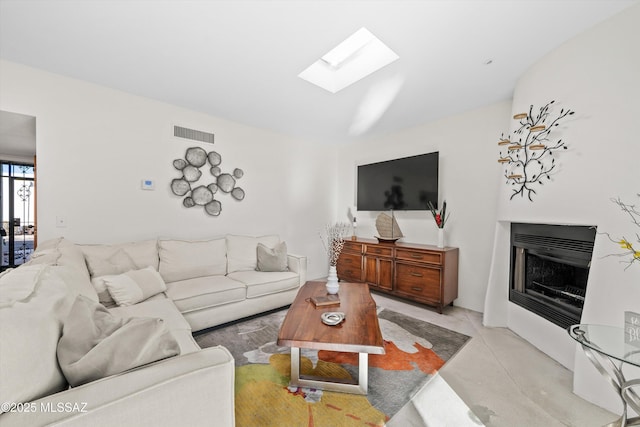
<point>415,350</point>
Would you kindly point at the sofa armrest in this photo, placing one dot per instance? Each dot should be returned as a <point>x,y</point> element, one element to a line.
<point>298,264</point>
<point>185,390</point>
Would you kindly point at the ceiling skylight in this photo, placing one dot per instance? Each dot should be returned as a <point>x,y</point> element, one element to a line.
<point>353,59</point>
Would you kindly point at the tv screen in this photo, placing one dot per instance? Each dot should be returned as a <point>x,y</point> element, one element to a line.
<point>400,184</point>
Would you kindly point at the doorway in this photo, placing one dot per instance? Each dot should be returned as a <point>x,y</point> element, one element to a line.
<point>17,217</point>
<point>18,227</point>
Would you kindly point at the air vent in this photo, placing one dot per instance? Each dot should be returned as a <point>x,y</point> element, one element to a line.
<point>193,134</point>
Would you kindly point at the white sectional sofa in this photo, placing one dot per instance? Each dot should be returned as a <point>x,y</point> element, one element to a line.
<point>189,285</point>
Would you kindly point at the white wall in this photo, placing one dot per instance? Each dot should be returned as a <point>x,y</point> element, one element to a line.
<point>595,74</point>
<point>467,146</point>
<point>95,145</point>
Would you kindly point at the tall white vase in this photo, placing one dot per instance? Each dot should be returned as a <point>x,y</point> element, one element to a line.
<point>441,237</point>
<point>332,281</point>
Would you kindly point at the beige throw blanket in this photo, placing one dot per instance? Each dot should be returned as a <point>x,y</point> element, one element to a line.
<point>96,344</point>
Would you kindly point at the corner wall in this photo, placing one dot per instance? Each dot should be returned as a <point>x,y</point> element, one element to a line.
<point>596,75</point>
<point>95,145</point>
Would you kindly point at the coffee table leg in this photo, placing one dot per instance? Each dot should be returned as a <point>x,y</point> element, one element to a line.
<point>295,366</point>
<point>363,372</point>
<point>331,384</point>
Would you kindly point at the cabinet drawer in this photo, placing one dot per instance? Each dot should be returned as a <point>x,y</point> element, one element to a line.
<point>378,250</point>
<point>350,267</point>
<point>352,247</point>
<point>423,282</point>
<point>419,256</point>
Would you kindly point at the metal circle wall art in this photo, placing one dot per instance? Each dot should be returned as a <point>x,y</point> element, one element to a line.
<point>204,194</point>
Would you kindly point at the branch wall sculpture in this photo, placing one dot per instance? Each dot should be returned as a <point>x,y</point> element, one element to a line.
<point>630,252</point>
<point>529,161</point>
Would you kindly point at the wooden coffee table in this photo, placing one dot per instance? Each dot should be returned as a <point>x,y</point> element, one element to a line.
<point>358,333</point>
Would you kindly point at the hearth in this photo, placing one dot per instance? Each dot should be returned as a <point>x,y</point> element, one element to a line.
<point>549,269</point>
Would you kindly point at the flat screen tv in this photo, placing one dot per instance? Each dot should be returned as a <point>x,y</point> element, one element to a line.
<point>406,184</point>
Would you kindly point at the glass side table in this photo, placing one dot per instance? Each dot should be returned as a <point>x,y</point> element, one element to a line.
<point>607,350</point>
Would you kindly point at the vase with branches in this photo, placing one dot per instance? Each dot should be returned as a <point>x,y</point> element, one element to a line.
<point>333,237</point>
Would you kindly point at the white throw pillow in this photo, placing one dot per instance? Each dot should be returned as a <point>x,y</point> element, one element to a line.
<point>134,286</point>
<point>182,259</point>
<point>117,263</point>
<point>272,259</point>
<point>242,251</point>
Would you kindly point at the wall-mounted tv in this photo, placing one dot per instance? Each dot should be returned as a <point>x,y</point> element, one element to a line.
<point>408,183</point>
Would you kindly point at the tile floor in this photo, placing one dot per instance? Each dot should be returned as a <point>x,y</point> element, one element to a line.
<point>496,380</point>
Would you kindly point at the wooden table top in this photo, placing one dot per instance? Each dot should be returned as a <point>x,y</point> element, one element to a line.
<point>358,333</point>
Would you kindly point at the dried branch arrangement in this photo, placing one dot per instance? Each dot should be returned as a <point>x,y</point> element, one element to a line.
<point>333,237</point>
<point>631,252</point>
<point>529,161</point>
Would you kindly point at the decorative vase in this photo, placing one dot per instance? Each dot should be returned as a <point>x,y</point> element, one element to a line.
<point>441,237</point>
<point>332,281</point>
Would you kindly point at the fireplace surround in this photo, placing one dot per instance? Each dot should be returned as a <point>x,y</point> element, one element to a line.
<point>549,269</point>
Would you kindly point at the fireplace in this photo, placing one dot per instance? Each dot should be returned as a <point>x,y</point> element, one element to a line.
<point>549,269</point>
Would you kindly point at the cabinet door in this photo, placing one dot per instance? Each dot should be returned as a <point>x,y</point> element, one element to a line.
<point>378,272</point>
<point>371,270</point>
<point>385,273</point>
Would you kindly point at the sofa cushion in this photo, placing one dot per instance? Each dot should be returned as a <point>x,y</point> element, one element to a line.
<point>49,256</point>
<point>162,307</point>
<point>143,253</point>
<point>48,244</point>
<point>272,259</point>
<point>30,326</point>
<point>105,260</point>
<point>96,344</point>
<point>261,283</point>
<point>134,286</point>
<point>116,263</point>
<point>182,260</point>
<point>202,292</point>
<point>71,256</point>
<point>242,251</point>
<point>69,262</point>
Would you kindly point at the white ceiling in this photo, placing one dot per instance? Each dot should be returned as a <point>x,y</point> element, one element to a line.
<point>240,59</point>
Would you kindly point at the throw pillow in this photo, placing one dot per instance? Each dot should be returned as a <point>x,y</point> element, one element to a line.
<point>272,259</point>
<point>241,251</point>
<point>96,344</point>
<point>134,286</point>
<point>99,267</point>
